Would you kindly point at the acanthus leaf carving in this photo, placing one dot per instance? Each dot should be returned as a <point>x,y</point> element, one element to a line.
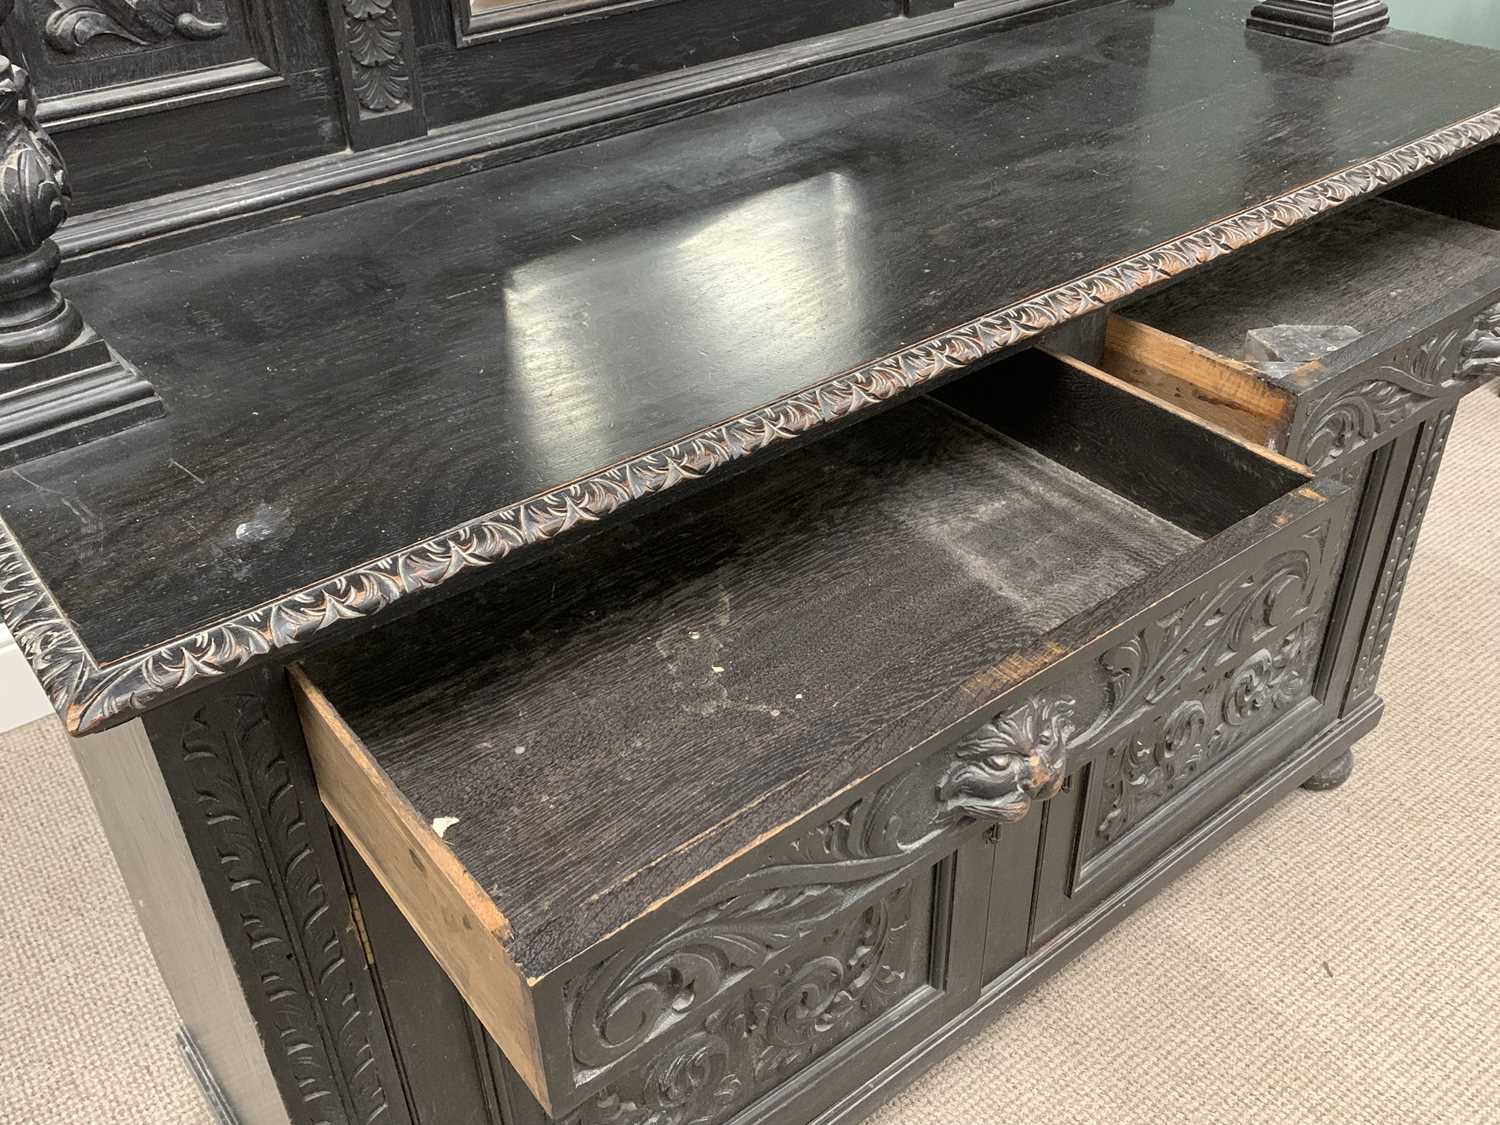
<point>375,41</point>
<point>248,810</point>
<point>1253,633</point>
<point>90,696</point>
<point>34,190</point>
<point>1151,764</point>
<point>858,970</point>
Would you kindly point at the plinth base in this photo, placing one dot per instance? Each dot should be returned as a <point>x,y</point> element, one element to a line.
<point>68,398</point>
<point>1328,22</point>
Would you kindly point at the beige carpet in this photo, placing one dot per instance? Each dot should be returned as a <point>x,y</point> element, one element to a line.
<point>1338,961</point>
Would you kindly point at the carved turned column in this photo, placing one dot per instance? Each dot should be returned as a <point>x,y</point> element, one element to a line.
<point>1322,21</point>
<point>60,383</point>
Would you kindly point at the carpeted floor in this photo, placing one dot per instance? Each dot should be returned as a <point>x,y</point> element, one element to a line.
<point>1338,961</point>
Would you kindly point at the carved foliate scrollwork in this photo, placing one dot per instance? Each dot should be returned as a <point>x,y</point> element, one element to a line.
<point>1191,686</point>
<point>858,969</point>
<point>90,697</point>
<point>1440,365</point>
<point>73,23</point>
<point>244,805</point>
<point>1154,763</point>
<point>1252,637</point>
<point>33,180</point>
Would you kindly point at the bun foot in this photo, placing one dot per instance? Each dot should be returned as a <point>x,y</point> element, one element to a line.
<point>1334,774</point>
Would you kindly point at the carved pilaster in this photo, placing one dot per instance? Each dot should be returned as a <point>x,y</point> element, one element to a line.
<point>238,774</point>
<point>378,67</point>
<point>60,384</point>
<point>1320,21</point>
<point>1422,476</point>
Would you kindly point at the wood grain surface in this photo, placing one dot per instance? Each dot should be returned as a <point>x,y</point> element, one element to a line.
<point>1365,267</point>
<point>342,385</point>
<point>727,662</point>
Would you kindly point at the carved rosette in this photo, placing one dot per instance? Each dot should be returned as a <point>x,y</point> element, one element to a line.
<point>1006,765</point>
<point>1443,365</point>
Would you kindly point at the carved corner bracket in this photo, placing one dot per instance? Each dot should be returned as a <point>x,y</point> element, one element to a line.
<point>60,384</point>
<point>1379,399</point>
<point>1319,21</point>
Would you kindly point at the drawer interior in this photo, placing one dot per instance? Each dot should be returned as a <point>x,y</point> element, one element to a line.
<point>1366,267</point>
<point>541,763</point>
<point>729,658</point>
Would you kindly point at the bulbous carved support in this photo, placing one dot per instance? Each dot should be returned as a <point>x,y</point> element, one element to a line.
<point>34,319</point>
<point>1005,766</point>
<point>1320,21</point>
<point>60,384</point>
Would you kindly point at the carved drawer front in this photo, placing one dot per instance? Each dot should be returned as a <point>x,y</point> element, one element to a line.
<point>702,807</point>
<point>736,1043</point>
<point>1403,305</point>
<point>1203,694</point>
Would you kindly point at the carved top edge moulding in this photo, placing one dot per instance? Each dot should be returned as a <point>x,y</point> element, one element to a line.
<point>90,696</point>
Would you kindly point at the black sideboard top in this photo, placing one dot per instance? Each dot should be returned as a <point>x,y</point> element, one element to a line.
<point>368,403</point>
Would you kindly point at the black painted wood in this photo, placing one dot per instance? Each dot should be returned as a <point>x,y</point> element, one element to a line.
<point>739,627</point>
<point>441,1052</point>
<point>131,230</point>
<point>563,58</point>
<point>1467,189</point>
<point>60,384</point>
<point>515,328</point>
<point>237,771</point>
<point>1166,463</point>
<point>1328,22</point>
<point>1368,267</point>
<point>178,112</point>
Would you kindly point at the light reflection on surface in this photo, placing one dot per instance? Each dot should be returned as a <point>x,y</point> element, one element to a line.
<point>793,254</point>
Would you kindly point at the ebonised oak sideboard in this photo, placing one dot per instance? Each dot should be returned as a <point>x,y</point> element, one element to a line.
<point>644,563</point>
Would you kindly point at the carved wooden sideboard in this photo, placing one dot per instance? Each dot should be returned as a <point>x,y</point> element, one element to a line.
<point>660,562</point>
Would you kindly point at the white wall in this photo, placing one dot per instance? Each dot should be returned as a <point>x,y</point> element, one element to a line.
<point>21,697</point>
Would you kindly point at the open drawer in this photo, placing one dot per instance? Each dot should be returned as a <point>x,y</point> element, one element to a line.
<point>1416,291</point>
<point>682,810</point>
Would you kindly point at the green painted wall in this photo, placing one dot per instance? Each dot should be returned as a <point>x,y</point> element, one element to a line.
<point>1469,21</point>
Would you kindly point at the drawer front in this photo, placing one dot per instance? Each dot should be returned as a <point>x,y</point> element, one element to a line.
<point>852,972</point>
<point>1145,716</point>
<point>1198,695</point>
<point>821,931</point>
<point>1377,397</point>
